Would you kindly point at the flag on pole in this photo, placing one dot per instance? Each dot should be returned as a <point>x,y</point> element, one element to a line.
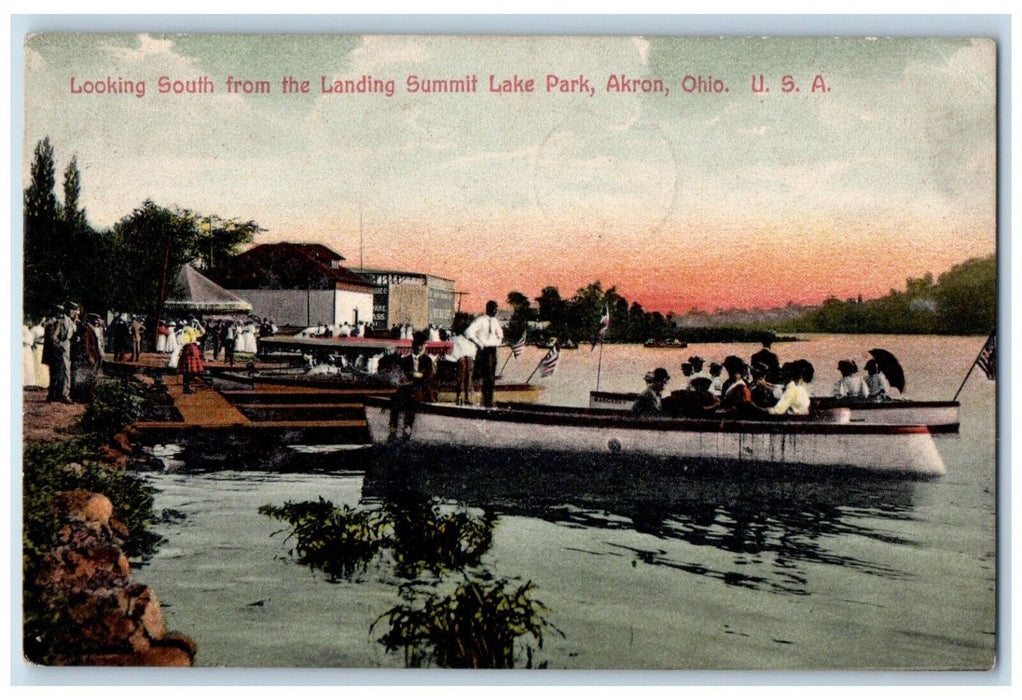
<point>518,347</point>
<point>602,330</point>
<point>987,358</point>
<point>549,362</point>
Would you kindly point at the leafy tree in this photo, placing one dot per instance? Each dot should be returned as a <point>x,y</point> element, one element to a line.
<point>967,297</point>
<point>151,245</point>
<point>522,314</point>
<point>219,239</point>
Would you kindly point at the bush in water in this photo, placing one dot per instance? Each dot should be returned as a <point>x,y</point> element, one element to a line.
<point>477,625</point>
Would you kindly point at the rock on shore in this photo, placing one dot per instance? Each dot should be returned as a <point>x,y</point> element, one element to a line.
<point>114,622</point>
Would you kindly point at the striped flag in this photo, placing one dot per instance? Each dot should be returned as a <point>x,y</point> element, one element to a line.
<point>987,358</point>
<point>602,330</point>
<point>549,362</point>
<point>518,347</point>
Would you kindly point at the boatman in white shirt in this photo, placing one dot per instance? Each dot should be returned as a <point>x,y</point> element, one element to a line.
<point>487,335</point>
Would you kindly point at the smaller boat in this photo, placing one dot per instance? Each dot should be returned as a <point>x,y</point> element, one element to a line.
<point>363,383</point>
<point>673,343</point>
<point>788,441</point>
<point>940,416</point>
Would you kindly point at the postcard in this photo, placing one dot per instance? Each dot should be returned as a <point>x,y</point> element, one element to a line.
<point>532,352</point>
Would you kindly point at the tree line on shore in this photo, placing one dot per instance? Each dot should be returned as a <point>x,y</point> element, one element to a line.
<point>961,301</point>
<point>66,258</point>
<point>131,265</point>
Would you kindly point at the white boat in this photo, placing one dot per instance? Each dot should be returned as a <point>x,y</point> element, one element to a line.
<point>785,440</point>
<point>940,416</point>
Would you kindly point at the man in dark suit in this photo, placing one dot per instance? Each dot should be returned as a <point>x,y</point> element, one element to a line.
<point>418,386</point>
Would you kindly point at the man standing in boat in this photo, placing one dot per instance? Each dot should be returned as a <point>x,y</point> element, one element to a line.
<point>418,385</point>
<point>487,335</point>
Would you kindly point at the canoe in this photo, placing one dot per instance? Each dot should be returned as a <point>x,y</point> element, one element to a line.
<point>941,416</point>
<point>786,440</point>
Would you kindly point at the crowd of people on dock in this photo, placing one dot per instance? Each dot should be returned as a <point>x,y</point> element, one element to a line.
<point>62,353</point>
<point>756,389</point>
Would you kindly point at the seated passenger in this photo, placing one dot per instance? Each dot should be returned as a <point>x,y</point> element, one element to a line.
<point>697,369</point>
<point>737,399</point>
<point>764,393</point>
<point>877,385</point>
<point>795,399</point>
<point>649,403</point>
<point>717,381</point>
<point>851,385</point>
<point>701,402</point>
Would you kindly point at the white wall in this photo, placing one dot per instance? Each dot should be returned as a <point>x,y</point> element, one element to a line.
<point>347,303</point>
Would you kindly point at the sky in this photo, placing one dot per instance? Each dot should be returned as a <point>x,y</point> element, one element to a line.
<point>717,197</point>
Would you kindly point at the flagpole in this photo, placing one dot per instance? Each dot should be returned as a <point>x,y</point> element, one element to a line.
<point>971,367</point>
<point>506,361</point>
<point>599,367</point>
<point>535,370</point>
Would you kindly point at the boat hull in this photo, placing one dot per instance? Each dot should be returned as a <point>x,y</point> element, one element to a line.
<point>941,416</point>
<point>517,393</point>
<point>905,449</point>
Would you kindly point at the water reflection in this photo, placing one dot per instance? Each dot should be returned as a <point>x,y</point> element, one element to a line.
<point>774,523</point>
<point>468,620</point>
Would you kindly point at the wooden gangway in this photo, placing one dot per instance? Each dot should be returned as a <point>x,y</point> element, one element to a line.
<point>261,417</point>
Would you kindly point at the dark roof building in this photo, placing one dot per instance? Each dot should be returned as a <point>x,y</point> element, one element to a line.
<point>298,284</point>
<point>289,266</point>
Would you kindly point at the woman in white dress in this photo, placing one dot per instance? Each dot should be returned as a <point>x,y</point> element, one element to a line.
<point>28,377</point>
<point>795,399</point>
<point>42,371</point>
<point>249,339</point>
<point>851,385</point>
<point>171,342</point>
<point>161,337</point>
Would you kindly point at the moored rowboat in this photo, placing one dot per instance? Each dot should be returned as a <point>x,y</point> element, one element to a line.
<point>788,441</point>
<point>941,416</point>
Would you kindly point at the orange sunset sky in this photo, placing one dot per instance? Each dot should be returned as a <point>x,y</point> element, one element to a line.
<point>724,198</point>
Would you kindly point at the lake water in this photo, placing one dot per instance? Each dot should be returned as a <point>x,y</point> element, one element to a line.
<point>645,570</point>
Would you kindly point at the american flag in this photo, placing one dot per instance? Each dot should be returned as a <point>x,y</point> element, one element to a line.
<point>549,362</point>
<point>987,358</point>
<point>602,330</point>
<point>518,347</point>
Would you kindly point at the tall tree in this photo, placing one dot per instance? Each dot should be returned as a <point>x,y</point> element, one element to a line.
<point>70,212</point>
<point>44,285</point>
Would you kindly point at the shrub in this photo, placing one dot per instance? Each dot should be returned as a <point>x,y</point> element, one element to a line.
<point>478,625</point>
<point>340,542</point>
<point>116,405</point>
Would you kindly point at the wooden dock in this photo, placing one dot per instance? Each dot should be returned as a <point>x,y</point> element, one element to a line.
<point>222,422</point>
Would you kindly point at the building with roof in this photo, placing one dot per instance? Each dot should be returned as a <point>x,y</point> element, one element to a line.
<point>401,297</point>
<point>298,284</point>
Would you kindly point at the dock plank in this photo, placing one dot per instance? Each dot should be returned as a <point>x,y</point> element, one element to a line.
<point>204,407</point>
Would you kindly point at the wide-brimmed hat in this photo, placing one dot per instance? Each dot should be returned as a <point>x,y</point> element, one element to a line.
<point>847,367</point>
<point>696,361</point>
<point>734,364</point>
<point>700,383</point>
<point>658,375</point>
